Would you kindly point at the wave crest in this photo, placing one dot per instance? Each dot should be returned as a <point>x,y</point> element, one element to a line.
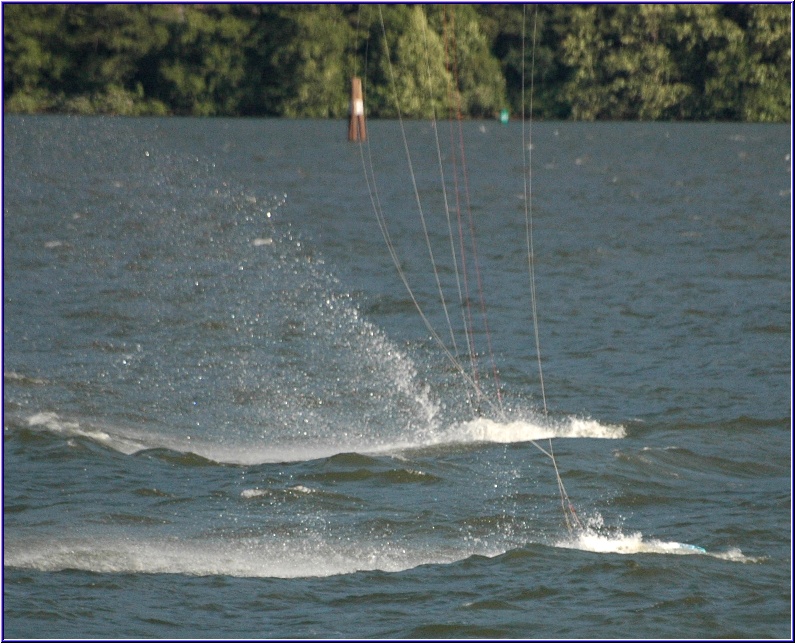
<point>525,430</point>
<point>130,441</point>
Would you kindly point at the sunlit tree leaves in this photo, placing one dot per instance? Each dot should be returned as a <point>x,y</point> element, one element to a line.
<point>626,61</point>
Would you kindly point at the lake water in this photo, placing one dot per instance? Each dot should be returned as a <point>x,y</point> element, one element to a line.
<point>224,417</point>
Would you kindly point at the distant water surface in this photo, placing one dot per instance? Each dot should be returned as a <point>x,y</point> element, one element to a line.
<point>223,416</point>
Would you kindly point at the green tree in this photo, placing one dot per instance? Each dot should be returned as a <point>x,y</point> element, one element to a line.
<point>768,95</point>
<point>108,43</point>
<point>431,61</point>
<point>648,61</point>
<point>622,65</point>
<point>33,61</point>
<point>646,76</point>
<point>737,58</point>
<point>407,73</point>
<point>82,58</point>
<point>712,50</point>
<point>510,30</point>
<point>204,64</point>
<point>584,50</point>
<point>479,84</point>
<point>311,62</point>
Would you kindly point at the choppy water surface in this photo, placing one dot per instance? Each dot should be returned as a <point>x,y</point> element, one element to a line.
<point>223,416</point>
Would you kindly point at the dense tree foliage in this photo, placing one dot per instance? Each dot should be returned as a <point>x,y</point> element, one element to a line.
<point>625,61</point>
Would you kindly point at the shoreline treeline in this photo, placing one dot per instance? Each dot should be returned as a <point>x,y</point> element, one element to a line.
<point>592,62</point>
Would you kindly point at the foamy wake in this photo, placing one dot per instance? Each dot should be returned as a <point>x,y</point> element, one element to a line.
<point>129,441</point>
<point>627,544</point>
<point>308,555</point>
<point>594,538</point>
<point>54,423</point>
<point>486,430</point>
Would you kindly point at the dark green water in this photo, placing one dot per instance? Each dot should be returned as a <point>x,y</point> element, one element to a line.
<point>223,416</point>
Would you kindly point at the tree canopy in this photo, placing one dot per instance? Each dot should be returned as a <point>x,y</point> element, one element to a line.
<point>598,61</point>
